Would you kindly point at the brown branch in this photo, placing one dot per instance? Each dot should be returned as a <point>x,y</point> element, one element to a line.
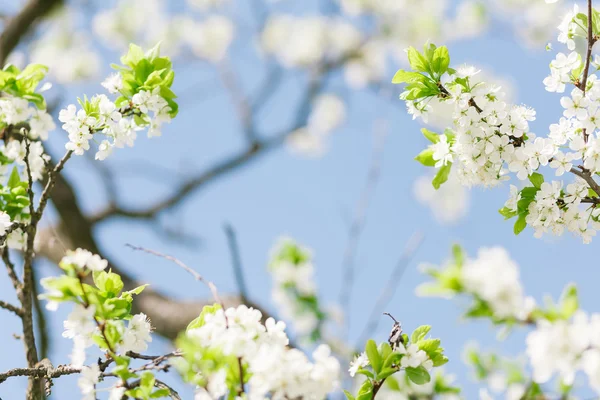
<point>251,153</point>
<point>40,372</point>
<point>50,183</point>
<point>591,40</point>
<point>14,309</point>
<point>10,268</point>
<point>239,99</point>
<point>20,25</point>
<point>586,176</point>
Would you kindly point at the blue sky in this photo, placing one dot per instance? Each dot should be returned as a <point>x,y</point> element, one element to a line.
<point>312,200</point>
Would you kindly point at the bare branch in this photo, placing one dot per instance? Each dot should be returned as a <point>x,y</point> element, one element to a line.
<point>358,221</point>
<point>10,268</point>
<point>236,262</point>
<point>19,25</point>
<point>50,183</point>
<point>196,275</point>
<point>7,306</point>
<point>240,101</point>
<point>386,295</point>
<point>586,176</point>
<point>40,372</point>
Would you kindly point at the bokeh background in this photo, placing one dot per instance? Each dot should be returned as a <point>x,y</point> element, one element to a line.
<point>315,187</point>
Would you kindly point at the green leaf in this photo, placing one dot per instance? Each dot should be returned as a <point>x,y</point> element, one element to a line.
<point>569,301</point>
<point>374,357</point>
<point>408,77</point>
<point>366,391</point>
<point>418,375</point>
<point>529,192</point>
<point>137,290</point>
<point>536,179</point>
<point>507,213</point>
<point>441,176</point>
<point>426,158</point>
<point>15,179</point>
<point>441,60</point>
<point>385,350</point>
<point>108,282</point>
<point>386,372</point>
<point>520,224</point>
<point>392,359</point>
<point>431,136</point>
<point>429,346</point>
<point>458,254</point>
<point>199,322</point>
<point>392,383</point>
<point>349,395</point>
<point>417,61</point>
<point>366,373</point>
<point>419,333</point>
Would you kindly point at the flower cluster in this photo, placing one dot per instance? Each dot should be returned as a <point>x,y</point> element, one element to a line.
<point>490,138</point>
<point>147,105</point>
<point>221,344</point>
<point>409,360</point>
<point>564,339</point>
<point>100,316</point>
<point>502,375</point>
<point>565,347</point>
<point>294,288</point>
<point>492,279</point>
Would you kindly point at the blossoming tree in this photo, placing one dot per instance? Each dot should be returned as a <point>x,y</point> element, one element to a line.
<point>227,346</point>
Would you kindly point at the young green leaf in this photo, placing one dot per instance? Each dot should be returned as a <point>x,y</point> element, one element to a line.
<point>442,175</point>
<point>426,158</point>
<point>374,356</point>
<point>431,136</point>
<point>418,375</point>
<point>536,179</point>
<point>419,333</point>
<point>520,224</point>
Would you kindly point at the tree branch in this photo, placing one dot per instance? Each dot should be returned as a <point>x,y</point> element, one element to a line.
<point>19,25</point>
<point>236,262</point>
<point>14,309</point>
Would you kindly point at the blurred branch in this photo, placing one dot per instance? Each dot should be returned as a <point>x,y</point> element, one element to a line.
<point>236,262</point>
<point>196,275</point>
<point>258,148</point>
<point>19,25</point>
<point>358,221</point>
<point>388,292</point>
<point>239,99</point>
<point>268,87</point>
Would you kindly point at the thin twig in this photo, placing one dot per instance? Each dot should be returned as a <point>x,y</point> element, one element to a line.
<point>14,309</point>
<point>358,222</point>
<point>236,262</point>
<point>388,292</point>
<point>10,268</point>
<point>45,196</point>
<point>196,275</point>
<point>586,176</point>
